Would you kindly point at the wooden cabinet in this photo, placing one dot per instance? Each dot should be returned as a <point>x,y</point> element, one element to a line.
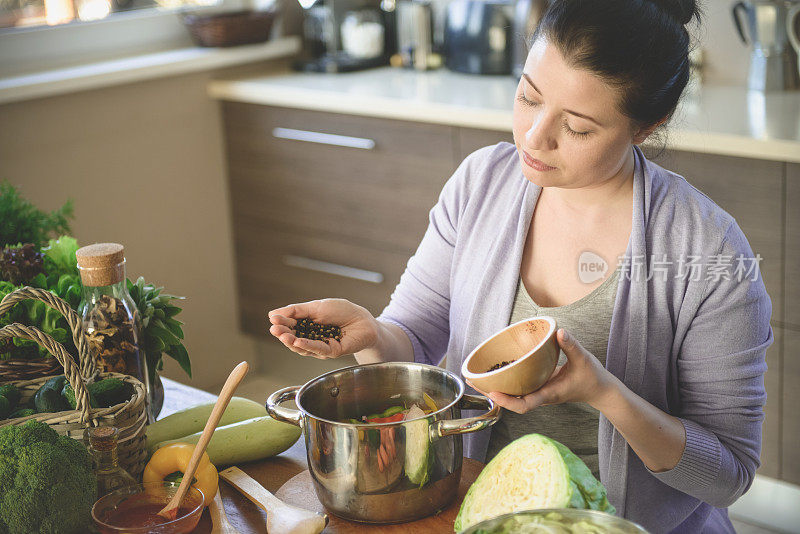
<point>790,451</point>
<point>326,204</point>
<point>792,272</point>
<point>470,140</point>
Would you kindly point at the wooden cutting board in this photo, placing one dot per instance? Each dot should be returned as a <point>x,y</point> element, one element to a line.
<point>299,491</point>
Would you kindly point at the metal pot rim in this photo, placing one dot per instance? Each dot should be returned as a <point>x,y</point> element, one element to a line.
<point>310,383</point>
<point>571,513</point>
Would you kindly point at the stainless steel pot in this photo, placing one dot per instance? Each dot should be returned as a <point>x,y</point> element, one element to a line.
<point>388,472</point>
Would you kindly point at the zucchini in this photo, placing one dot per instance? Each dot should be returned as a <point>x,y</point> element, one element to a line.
<point>418,447</point>
<point>246,441</point>
<point>191,420</point>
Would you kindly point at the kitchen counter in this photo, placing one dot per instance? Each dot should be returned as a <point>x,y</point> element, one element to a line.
<point>713,120</point>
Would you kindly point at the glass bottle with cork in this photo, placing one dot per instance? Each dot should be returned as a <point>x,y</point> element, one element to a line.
<point>110,317</point>
<point>102,444</point>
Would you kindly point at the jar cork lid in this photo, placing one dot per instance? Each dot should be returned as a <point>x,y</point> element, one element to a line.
<point>103,438</point>
<point>101,264</point>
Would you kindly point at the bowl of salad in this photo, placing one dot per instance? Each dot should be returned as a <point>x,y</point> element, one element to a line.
<point>556,521</point>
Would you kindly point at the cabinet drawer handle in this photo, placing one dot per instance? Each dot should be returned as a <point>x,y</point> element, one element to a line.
<point>333,268</point>
<point>323,138</point>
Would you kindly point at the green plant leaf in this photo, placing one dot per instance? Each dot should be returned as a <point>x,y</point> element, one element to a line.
<point>179,354</point>
<point>40,281</point>
<point>60,255</point>
<point>25,223</point>
<point>175,327</point>
<point>172,311</point>
<point>165,335</point>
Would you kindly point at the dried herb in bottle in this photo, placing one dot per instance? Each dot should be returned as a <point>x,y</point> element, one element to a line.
<point>110,317</point>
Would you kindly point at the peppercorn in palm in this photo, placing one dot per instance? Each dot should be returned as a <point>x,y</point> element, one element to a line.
<point>306,328</point>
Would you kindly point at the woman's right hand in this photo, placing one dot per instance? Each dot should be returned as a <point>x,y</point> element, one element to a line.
<point>359,327</point>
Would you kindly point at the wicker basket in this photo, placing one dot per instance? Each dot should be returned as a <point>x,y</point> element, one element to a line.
<point>230,29</point>
<point>19,369</point>
<point>129,417</point>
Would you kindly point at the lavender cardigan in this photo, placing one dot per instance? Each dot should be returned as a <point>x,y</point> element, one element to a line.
<point>693,345</point>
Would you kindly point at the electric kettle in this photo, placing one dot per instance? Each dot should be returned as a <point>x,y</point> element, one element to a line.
<point>773,63</point>
<point>477,36</point>
<point>792,31</point>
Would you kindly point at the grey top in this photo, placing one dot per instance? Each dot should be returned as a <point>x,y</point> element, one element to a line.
<point>689,335</point>
<point>574,424</point>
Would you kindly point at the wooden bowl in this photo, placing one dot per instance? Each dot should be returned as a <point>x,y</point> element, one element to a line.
<point>531,347</point>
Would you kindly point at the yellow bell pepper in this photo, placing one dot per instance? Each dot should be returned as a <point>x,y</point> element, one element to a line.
<point>175,457</point>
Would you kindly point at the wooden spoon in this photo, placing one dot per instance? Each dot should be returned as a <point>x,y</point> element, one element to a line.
<point>219,519</point>
<point>170,511</point>
<point>281,517</point>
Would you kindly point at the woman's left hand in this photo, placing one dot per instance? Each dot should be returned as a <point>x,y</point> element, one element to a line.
<point>581,379</point>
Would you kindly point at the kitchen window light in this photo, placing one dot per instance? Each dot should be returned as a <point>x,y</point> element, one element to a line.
<point>130,28</point>
<point>32,13</point>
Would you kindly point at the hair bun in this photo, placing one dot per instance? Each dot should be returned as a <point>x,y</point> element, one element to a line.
<point>681,10</point>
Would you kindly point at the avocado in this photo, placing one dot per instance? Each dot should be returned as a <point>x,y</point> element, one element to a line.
<point>48,399</point>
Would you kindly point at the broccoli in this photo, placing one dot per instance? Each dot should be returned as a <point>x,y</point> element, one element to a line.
<point>47,481</point>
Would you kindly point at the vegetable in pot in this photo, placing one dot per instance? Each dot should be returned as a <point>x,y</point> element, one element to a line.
<point>532,472</point>
<point>47,481</point>
<point>418,447</point>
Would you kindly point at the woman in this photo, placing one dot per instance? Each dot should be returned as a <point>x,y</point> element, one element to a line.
<point>664,356</point>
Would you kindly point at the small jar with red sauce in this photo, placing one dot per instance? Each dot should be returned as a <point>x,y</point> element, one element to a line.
<point>134,510</point>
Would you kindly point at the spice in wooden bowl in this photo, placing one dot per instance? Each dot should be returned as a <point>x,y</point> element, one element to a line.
<point>499,365</point>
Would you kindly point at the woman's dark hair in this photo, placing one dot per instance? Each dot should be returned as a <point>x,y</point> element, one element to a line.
<point>640,47</point>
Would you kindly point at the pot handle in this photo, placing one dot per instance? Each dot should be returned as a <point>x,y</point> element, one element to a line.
<point>287,415</point>
<point>470,424</point>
